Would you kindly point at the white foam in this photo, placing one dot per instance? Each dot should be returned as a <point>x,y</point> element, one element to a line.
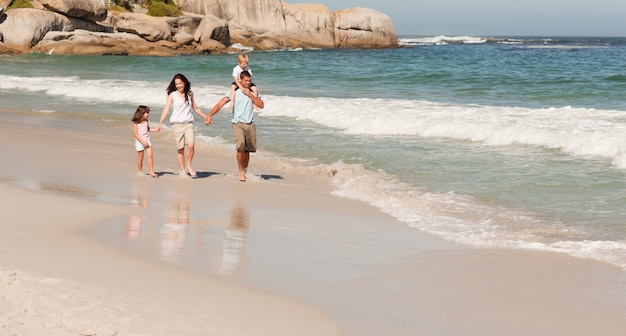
<point>108,90</point>
<point>465,220</point>
<point>564,46</point>
<point>579,132</point>
<point>241,47</point>
<point>441,40</point>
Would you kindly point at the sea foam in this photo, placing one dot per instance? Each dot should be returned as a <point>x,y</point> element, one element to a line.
<point>465,220</point>
<point>577,131</point>
<point>581,132</point>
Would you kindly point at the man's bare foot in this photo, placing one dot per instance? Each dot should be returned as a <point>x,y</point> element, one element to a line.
<point>192,173</point>
<point>242,177</point>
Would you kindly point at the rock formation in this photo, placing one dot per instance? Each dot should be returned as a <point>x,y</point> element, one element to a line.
<point>364,28</point>
<point>89,10</point>
<point>4,4</point>
<point>208,26</point>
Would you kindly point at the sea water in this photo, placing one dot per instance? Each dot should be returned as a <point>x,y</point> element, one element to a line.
<point>509,142</point>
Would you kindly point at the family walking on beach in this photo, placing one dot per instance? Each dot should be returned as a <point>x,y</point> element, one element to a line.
<point>243,98</point>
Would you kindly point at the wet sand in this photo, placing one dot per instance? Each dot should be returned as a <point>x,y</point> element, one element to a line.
<point>87,247</point>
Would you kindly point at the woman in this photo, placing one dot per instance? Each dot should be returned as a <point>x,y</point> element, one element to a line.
<point>181,100</point>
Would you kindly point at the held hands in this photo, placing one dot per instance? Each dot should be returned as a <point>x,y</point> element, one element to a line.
<point>208,120</point>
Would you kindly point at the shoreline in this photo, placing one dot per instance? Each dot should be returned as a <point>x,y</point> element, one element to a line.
<point>316,263</point>
<point>55,275</point>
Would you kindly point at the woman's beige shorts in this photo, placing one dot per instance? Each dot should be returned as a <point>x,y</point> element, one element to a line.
<point>183,134</point>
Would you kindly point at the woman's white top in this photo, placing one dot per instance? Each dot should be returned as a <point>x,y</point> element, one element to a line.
<point>181,109</point>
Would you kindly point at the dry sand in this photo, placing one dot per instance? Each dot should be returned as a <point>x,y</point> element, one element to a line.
<point>82,252</point>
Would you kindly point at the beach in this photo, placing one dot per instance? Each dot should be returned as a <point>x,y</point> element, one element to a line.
<point>78,257</point>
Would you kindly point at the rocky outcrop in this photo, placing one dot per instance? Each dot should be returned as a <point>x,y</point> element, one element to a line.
<point>208,26</point>
<point>150,28</point>
<point>308,25</point>
<point>363,28</point>
<point>274,24</point>
<point>4,4</point>
<point>24,27</point>
<point>89,43</point>
<point>89,10</point>
<point>256,16</point>
<point>212,34</point>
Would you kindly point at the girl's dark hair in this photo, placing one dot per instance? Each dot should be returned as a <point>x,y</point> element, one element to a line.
<point>141,109</point>
<point>172,87</point>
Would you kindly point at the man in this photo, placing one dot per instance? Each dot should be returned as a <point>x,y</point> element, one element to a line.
<point>243,121</point>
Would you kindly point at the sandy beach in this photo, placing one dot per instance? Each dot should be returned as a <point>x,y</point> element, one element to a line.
<point>89,248</point>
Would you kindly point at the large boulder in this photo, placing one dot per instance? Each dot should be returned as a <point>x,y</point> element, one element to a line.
<point>184,24</point>
<point>5,50</point>
<point>256,16</point>
<point>210,46</point>
<point>364,28</point>
<point>89,25</point>
<point>183,38</point>
<point>212,28</point>
<point>203,7</point>
<point>266,24</point>
<point>309,25</point>
<point>4,4</point>
<point>149,27</point>
<point>90,10</point>
<point>207,30</point>
<point>22,28</point>
<point>74,47</point>
<point>81,42</point>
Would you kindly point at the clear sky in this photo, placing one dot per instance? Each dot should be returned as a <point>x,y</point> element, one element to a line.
<point>497,17</point>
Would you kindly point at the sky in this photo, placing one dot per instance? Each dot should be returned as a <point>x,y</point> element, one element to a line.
<point>497,17</point>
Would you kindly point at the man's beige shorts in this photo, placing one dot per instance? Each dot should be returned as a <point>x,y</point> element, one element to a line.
<point>245,137</point>
<point>183,134</point>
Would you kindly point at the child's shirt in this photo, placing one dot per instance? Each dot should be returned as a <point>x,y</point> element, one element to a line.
<point>237,70</point>
<point>143,131</point>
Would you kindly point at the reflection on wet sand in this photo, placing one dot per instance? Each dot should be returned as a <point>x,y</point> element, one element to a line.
<point>141,198</point>
<point>180,238</point>
<point>142,191</point>
<point>232,258</point>
<point>133,228</point>
<point>174,231</point>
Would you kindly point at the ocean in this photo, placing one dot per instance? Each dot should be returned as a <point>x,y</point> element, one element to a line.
<point>506,142</point>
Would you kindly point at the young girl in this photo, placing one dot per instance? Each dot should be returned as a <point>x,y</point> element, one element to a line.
<point>141,129</point>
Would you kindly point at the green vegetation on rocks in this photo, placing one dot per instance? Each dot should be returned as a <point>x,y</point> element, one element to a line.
<point>20,4</point>
<point>163,8</point>
<point>154,7</point>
